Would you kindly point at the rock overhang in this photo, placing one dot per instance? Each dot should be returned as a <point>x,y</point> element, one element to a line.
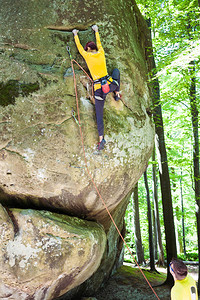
<point>41,155</point>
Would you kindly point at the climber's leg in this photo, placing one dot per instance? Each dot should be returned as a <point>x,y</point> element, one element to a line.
<point>115,84</point>
<point>99,105</point>
<point>116,78</point>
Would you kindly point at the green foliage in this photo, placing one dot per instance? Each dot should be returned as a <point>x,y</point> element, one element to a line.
<point>189,214</point>
<point>175,34</point>
<point>190,256</point>
<point>143,219</point>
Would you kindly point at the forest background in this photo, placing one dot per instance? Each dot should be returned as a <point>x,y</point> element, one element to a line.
<point>174,26</point>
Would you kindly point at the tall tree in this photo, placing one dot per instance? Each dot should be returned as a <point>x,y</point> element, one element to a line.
<point>182,214</point>
<point>194,114</point>
<point>151,246</point>
<point>137,231</point>
<point>179,238</point>
<point>162,158</point>
<point>155,236</point>
<point>156,209</point>
<point>175,49</point>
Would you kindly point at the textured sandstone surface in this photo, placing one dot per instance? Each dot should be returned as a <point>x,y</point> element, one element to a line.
<point>41,154</point>
<point>46,254</point>
<point>42,159</point>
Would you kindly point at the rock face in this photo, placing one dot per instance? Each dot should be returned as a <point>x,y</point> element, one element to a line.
<point>46,254</point>
<point>42,158</point>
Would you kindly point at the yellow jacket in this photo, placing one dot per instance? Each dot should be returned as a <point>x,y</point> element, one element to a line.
<point>182,289</point>
<point>96,62</point>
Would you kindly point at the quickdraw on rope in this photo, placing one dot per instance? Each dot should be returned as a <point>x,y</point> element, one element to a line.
<point>74,116</point>
<point>86,165</point>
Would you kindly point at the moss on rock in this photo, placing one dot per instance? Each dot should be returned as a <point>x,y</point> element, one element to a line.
<point>13,88</point>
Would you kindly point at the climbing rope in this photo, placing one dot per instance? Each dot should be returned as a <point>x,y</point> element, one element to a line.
<point>88,171</point>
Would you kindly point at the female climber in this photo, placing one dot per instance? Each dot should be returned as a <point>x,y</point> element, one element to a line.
<point>103,84</point>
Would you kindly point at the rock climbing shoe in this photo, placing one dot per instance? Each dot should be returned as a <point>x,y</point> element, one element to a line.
<point>101,144</point>
<point>117,96</point>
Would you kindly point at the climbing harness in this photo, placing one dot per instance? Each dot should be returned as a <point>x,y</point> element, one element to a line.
<point>91,177</point>
<point>104,83</point>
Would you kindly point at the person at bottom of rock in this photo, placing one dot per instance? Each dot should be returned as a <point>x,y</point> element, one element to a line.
<point>185,286</point>
<point>103,84</point>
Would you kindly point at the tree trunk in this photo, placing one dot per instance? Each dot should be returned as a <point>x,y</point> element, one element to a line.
<point>151,247</point>
<point>155,236</point>
<point>179,240</point>
<point>163,165</point>
<point>157,218</point>
<point>182,215</point>
<point>194,114</point>
<point>164,181</point>
<point>137,231</point>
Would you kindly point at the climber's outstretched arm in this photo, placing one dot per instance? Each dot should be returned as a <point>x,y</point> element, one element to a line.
<point>98,42</point>
<point>77,41</point>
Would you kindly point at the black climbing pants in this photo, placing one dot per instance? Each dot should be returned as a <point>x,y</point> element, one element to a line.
<point>100,97</point>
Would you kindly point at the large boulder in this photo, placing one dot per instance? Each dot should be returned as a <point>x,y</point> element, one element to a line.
<point>42,159</point>
<point>46,254</point>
